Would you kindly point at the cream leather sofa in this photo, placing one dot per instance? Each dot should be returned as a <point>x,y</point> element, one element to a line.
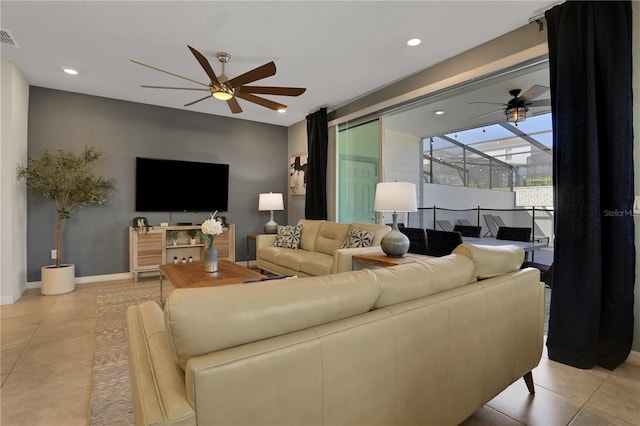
<point>319,252</point>
<point>413,344</point>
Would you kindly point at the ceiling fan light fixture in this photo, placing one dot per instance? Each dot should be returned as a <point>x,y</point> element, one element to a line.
<point>516,114</point>
<point>222,93</point>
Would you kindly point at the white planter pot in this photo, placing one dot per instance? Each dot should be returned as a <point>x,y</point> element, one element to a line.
<point>192,241</point>
<point>58,280</point>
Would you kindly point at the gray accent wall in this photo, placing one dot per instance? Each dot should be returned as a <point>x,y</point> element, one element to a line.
<point>96,238</point>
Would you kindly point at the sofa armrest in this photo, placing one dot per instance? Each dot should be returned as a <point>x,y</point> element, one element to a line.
<point>265,240</point>
<point>342,258</point>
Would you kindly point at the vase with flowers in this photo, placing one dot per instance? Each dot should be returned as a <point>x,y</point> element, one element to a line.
<point>210,228</point>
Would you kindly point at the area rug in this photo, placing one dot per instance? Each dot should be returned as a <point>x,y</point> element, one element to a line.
<point>110,389</point>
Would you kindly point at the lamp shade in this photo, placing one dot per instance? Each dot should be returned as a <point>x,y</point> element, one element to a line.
<point>395,197</point>
<point>270,201</point>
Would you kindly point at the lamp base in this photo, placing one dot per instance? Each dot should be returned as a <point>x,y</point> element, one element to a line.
<point>395,243</point>
<point>271,227</point>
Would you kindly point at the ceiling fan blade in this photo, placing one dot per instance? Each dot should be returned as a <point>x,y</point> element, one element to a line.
<point>146,86</point>
<point>533,92</point>
<point>261,101</point>
<point>487,114</point>
<point>205,65</point>
<point>234,106</point>
<point>167,72</point>
<point>264,71</point>
<point>198,100</point>
<point>540,103</point>
<point>270,90</point>
<point>488,103</point>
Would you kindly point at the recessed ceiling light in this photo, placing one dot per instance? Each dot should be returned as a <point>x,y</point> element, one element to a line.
<point>439,112</point>
<point>414,42</point>
<point>70,71</point>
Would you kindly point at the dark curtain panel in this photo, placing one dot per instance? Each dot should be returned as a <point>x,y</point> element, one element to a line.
<point>318,142</point>
<point>591,315</point>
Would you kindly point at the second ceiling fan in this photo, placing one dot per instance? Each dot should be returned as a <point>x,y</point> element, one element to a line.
<point>222,88</point>
<point>517,107</point>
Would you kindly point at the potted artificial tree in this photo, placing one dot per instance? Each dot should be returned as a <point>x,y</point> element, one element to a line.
<point>66,179</point>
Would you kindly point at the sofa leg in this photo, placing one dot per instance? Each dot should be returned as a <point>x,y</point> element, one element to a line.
<point>528,379</point>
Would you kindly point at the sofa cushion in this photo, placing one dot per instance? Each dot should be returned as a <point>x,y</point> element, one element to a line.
<point>321,264</point>
<point>204,320</point>
<point>491,261</point>
<point>293,259</point>
<point>357,238</point>
<point>330,237</point>
<point>378,231</point>
<point>309,235</point>
<point>411,281</point>
<point>271,254</point>
<point>288,236</point>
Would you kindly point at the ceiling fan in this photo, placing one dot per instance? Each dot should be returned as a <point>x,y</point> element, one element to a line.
<point>516,109</point>
<point>222,88</point>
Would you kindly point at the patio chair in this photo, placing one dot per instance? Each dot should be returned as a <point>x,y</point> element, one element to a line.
<point>417,239</point>
<point>491,224</point>
<point>464,222</point>
<point>499,221</point>
<point>513,233</point>
<point>468,230</point>
<point>445,225</point>
<point>442,243</point>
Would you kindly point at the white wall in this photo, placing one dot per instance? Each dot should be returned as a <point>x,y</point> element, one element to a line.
<point>401,161</point>
<point>13,195</point>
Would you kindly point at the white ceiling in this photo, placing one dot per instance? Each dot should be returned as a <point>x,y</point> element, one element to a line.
<point>338,50</point>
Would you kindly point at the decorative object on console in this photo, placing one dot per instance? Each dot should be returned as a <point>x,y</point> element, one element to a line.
<point>270,202</point>
<point>65,178</point>
<point>288,237</point>
<point>141,225</point>
<point>172,238</point>
<point>192,233</point>
<point>210,228</point>
<point>395,197</point>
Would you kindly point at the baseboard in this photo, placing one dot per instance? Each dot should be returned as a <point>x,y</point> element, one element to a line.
<point>7,300</point>
<point>89,279</point>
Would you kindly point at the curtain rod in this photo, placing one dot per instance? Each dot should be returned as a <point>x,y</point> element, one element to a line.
<point>538,18</point>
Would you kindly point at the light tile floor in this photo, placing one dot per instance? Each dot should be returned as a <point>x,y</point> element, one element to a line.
<point>47,345</point>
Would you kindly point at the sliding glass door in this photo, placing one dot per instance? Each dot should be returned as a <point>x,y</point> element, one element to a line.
<point>358,171</point>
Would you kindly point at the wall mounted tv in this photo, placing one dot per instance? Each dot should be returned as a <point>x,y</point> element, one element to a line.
<point>181,186</point>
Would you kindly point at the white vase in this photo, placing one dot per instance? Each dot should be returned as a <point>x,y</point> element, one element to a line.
<point>192,241</point>
<point>58,280</point>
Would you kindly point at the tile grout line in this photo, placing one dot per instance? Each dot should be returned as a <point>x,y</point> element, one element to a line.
<point>589,399</point>
<point>22,349</point>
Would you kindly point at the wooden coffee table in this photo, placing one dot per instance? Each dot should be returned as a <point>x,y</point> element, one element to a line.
<point>192,275</point>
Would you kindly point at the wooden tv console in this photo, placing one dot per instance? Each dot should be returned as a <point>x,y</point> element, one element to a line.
<point>147,251</point>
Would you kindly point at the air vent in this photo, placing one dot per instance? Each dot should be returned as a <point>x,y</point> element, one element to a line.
<point>6,38</point>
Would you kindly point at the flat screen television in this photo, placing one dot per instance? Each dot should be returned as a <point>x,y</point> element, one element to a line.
<point>181,186</point>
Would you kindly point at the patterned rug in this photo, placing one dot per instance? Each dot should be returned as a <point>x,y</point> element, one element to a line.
<point>110,389</point>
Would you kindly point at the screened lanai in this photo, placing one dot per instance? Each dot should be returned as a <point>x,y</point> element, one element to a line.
<point>460,150</point>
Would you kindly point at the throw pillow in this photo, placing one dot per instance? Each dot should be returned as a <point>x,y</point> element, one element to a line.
<point>358,238</point>
<point>288,236</point>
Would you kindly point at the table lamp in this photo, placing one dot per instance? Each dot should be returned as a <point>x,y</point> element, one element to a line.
<point>395,197</point>
<point>270,202</point>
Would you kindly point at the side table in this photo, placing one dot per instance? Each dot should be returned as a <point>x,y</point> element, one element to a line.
<point>250,237</point>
